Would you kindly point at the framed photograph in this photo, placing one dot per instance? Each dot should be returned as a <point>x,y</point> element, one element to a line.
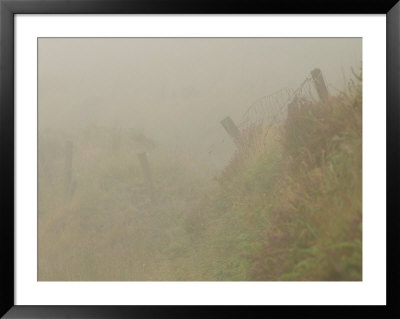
<point>163,154</point>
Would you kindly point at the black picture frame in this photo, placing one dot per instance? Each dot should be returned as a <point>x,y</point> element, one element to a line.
<point>8,8</point>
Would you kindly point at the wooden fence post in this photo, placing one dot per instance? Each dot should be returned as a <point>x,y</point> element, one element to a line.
<point>68,170</point>
<point>147,174</point>
<point>233,131</point>
<point>320,85</point>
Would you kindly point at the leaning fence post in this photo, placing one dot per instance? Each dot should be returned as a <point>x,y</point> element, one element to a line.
<point>319,84</point>
<point>147,174</point>
<point>233,131</point>
<point>68,169</point>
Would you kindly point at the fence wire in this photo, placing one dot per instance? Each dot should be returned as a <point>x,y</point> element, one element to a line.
<point>273,108</point>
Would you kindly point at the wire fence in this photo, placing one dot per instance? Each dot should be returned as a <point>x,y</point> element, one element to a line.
<point>273,108</point>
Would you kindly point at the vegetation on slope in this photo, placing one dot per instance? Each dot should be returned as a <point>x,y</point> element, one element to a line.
<point>287,207</point>
<point>291,198</point>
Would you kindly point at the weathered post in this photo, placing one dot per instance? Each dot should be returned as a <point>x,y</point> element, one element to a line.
<point>147,174</point>
<point>68,170</point>
<point>233,131</point>
<point>319,84</point>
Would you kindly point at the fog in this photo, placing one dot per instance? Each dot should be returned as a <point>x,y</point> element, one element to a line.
<point>177,90</point>
<point>212,159</point>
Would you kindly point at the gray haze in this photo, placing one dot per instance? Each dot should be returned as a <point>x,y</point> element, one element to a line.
<point>176,90</point>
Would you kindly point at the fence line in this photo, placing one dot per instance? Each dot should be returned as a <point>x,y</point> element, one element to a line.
<point>273,108</point>
<point>278,106</point>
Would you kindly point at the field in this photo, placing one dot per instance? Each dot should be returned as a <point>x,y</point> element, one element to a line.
<point>287,206</point>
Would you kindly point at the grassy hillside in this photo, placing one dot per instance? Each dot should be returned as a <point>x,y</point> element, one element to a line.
<point>287,207</point>
<point>289,204</point>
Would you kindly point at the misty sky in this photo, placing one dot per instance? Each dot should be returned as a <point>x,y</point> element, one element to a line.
<point>176,90</point>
